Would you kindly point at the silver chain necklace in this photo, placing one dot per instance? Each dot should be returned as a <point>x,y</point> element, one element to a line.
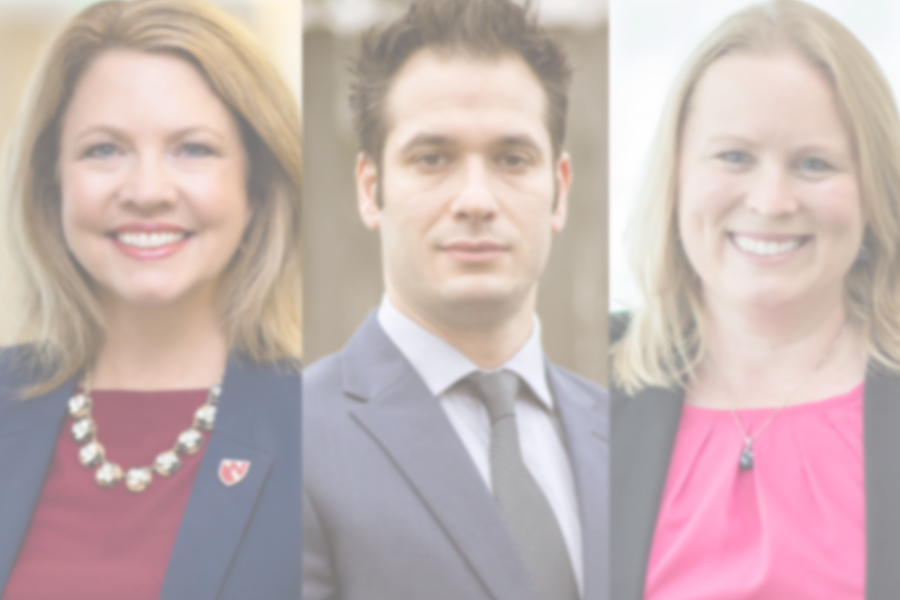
<point>92,455</point>
<point>746,460</point>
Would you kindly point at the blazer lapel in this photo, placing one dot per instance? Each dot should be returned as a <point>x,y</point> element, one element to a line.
<point>28,432</point>
<point>881,426</point>
<point>216,514</point>
<point>586,434</point>
<point>643,437</point>
<point>399,411</point>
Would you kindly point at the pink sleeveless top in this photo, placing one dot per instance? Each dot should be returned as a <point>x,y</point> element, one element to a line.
<point>791,528</point>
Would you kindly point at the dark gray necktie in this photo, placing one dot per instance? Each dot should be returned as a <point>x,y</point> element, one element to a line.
<point>524,507</point>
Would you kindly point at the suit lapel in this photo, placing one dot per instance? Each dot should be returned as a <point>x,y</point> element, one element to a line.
<point>586,437</point>
<point>643,437</point>
<point>28,432</point>
<point>881,418</point>
<point>407,422</point>
<point>216,515</point>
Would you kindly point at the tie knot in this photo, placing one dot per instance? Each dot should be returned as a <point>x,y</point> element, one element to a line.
<point>498,391</point>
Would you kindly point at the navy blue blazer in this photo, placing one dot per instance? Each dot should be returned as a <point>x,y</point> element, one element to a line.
<point>234,543</point>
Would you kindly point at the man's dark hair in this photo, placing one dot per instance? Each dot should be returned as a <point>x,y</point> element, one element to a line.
<point>476,28</point>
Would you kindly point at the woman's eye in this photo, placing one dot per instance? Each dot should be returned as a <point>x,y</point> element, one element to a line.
<point>815,165</point>
<point>735,157</point>
<point>101,151</point>
<point>196,150</point>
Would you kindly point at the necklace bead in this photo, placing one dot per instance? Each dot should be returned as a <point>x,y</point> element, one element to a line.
<point>108,475</point>
<point>189,442</point>
<point>137,479</point>
<point>205,417</point>
<point>79,406</point>
<point>167,463</point>
<point>92,455</point>
<point>83,430</point>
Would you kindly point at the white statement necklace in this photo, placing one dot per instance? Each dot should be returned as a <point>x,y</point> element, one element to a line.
<point>745,463</point>
<point>92,455</point>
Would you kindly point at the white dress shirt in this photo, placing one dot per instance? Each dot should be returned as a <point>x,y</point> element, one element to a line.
<point>441,366</point>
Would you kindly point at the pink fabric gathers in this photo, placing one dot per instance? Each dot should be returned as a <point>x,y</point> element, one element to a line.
<point>791,528</point>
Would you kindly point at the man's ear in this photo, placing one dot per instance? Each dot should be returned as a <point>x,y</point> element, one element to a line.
<point>563,175</point>
<point>367,191</point>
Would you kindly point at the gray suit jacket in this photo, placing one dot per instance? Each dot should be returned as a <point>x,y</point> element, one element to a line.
<point>394,508</point>
<point>644,429</point>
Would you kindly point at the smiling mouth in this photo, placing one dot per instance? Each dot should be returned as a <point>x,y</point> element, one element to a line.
<point>149,240</point>
<point>764,247</point>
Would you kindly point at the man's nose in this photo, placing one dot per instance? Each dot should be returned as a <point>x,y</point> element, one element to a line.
<point>476,198</point>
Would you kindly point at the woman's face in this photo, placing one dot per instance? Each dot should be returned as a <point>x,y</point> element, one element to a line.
<point>769,207</point>
<point>154,177</point>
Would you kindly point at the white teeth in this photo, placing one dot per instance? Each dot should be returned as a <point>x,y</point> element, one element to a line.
<point>766,248</point>
<point>156,239</point>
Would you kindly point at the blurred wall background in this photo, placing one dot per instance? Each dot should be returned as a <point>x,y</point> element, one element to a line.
<point>651,39</point>
<point>342,271</point>
<point>28,26</point>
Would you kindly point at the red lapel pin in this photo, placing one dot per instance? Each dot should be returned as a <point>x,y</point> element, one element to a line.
<point>233,471</point>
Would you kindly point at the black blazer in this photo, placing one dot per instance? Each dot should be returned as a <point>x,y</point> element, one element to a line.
<point>643,436</point>
<point>234,543</point>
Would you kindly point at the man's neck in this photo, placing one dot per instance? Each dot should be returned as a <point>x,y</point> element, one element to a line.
<point>487,339</point>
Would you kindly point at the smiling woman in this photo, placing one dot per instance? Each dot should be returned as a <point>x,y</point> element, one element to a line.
<point>152,214</point>
<point>754,406</point>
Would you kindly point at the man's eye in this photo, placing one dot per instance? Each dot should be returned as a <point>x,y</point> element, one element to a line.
<point>432,159</point>
<point>196,150</point>
<point>101,151</point>
<point>514,161</point>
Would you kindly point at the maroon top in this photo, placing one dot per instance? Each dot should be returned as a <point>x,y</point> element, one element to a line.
<point>89,543</point>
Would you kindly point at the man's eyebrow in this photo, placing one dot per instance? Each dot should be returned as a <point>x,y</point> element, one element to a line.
<point>427,139</point>
<point>443,141</point>
<point>518,141</point>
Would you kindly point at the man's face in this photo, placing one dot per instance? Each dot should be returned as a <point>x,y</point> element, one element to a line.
<point>471,192</point>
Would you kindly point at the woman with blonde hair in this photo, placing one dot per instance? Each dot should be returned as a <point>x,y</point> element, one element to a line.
<point>756,396</point>
<point>150,415</point>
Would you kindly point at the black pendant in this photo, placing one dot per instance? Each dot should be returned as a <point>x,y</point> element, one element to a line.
<point>746,462</point>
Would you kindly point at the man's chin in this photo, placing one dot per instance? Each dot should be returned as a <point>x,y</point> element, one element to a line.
<point>487,302</point>
<point>486,291</point>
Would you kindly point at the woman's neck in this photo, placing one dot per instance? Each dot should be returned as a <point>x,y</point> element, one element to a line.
<point>177,346</point>
<point>764,357</point>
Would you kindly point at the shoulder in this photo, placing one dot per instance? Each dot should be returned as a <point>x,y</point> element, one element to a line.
<point>618,325</point>
<point>261,401</point>
<point>18,370</point>
<point>589,393</point>
<point>325,402</point>
<point>324,375</point>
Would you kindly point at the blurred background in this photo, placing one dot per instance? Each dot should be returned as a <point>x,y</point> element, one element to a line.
<point>28,26</point>
<point>342,270</point>
<point>650,41</point>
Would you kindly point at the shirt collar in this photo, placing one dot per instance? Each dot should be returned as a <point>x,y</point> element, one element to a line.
<point>441,365</point>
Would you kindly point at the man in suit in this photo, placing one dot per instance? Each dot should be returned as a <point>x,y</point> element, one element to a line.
<point>444,457</point>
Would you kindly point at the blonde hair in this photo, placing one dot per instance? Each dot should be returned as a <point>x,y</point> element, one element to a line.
<point>260,290</point>
<point>666,339</point>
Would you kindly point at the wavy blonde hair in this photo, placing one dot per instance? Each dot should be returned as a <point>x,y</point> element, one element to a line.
<point>665,339</point>
<point>260,293</point>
